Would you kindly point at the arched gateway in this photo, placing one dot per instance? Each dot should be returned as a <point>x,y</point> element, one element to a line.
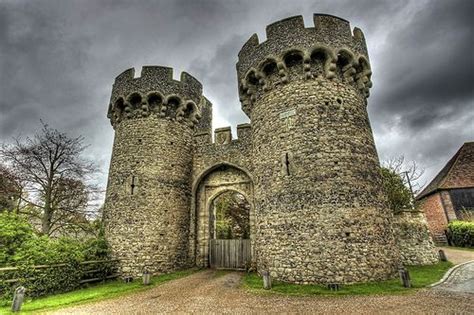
<point>212,183</point>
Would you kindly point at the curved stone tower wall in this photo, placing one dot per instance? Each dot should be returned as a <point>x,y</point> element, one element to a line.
<point>321,215</point>
<point>149,189</point>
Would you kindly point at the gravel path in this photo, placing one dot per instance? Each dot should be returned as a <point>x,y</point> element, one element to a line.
<point>206,292</point>
<point>460,280</point>
<point>458,256</point>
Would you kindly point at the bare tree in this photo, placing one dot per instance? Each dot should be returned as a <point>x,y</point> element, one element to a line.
<point>409,171</point>
<point>53,175</point>
<point>10,191</point>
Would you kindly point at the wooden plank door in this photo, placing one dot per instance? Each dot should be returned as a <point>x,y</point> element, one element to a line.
<point>229,254</point>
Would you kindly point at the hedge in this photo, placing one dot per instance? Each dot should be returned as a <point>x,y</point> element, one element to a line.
<point>48,279</point>
<point>461,233</point>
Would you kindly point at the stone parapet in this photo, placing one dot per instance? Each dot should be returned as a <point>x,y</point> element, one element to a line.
<point>294,52</point>
<point>155,92</point>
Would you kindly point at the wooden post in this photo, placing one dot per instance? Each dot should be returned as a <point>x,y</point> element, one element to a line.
<point>146,277</point>
<point>442,255</point>
<point>404,277</point>
<point>267,280</point>
<point>18,298</point>
<point>334,286</point>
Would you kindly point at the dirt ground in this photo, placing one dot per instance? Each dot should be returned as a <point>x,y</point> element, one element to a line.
<point>211,293</point>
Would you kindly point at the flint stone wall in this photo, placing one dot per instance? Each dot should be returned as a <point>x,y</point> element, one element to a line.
<point>413,239</point>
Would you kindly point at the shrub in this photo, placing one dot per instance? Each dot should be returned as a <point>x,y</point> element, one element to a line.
<point>97,248</point>
<point>461,233</point>
<point>14,231</point>
<point>46,265</point>
<point>399,196</point>
<point>45,251</point>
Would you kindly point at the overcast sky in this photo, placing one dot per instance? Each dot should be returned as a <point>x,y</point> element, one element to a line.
<point>58,60</point>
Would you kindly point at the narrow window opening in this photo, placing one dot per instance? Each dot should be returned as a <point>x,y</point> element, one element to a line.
<point>132,185</point>
<point>287,164</point>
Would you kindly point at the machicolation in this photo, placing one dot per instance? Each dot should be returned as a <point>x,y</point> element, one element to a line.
<point>306,164</point>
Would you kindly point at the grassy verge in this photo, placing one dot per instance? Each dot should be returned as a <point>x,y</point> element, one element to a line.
<point>93,293</point>
<point>421,276</point>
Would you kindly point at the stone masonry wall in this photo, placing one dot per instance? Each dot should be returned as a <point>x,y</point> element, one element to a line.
<point>307,164</point>
<point>146,211</point>
<point>225,164</point>
<point>321,214</point>
<point>413,239</point>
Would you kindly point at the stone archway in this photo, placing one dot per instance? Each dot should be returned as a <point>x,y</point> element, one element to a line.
<point>212,183</point>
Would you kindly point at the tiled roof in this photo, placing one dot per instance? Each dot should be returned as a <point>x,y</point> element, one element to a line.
<point>457,173</point>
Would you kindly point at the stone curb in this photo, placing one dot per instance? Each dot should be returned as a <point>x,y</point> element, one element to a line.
<point>449,273</point>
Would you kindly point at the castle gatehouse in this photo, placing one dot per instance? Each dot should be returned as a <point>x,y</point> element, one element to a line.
<point>306,164</point>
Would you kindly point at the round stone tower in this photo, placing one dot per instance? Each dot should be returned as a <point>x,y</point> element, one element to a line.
<point>321,214</point>
<point>146,211</point>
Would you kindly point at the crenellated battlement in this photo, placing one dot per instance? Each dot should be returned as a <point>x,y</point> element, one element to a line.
<point>158,76</point>
<point>223,136</point>
<point>328,29</point>
<point>293,52</point>
<point>156,92</point>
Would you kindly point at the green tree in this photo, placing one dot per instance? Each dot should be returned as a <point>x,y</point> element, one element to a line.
<point>232,216</point>
<point>10,191</point>
<point>399,196</point>
<point>14,232</point>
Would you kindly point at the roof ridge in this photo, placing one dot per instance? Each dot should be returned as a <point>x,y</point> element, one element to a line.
<point>456,160</point>
<point>441,176</point>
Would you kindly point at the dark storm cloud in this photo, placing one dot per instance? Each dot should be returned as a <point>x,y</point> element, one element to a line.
<point>423,100</point>
<point>430,63</point>
<point>58,60</point>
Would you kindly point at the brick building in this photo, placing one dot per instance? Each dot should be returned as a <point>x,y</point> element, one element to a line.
<point>450,195</point>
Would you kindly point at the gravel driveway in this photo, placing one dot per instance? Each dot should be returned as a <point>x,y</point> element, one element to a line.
<point>206,292</point>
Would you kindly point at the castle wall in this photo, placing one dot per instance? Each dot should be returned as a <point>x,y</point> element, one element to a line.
<point>224,149</point>
<point>307,164</point>
<point>413,239</point>
<point>222,165</point>
<point>321,214</point>
<point>148,228</point>
<point>146,211</point>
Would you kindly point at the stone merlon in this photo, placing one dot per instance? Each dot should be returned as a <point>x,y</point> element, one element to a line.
<point>291,32</point>
<point>157,78</point>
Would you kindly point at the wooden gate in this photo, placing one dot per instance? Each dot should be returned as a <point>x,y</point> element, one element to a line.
<point>229,254</point>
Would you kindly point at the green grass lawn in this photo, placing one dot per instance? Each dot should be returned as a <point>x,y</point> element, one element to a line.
<point>421,276</point>
<point>93,293</point>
